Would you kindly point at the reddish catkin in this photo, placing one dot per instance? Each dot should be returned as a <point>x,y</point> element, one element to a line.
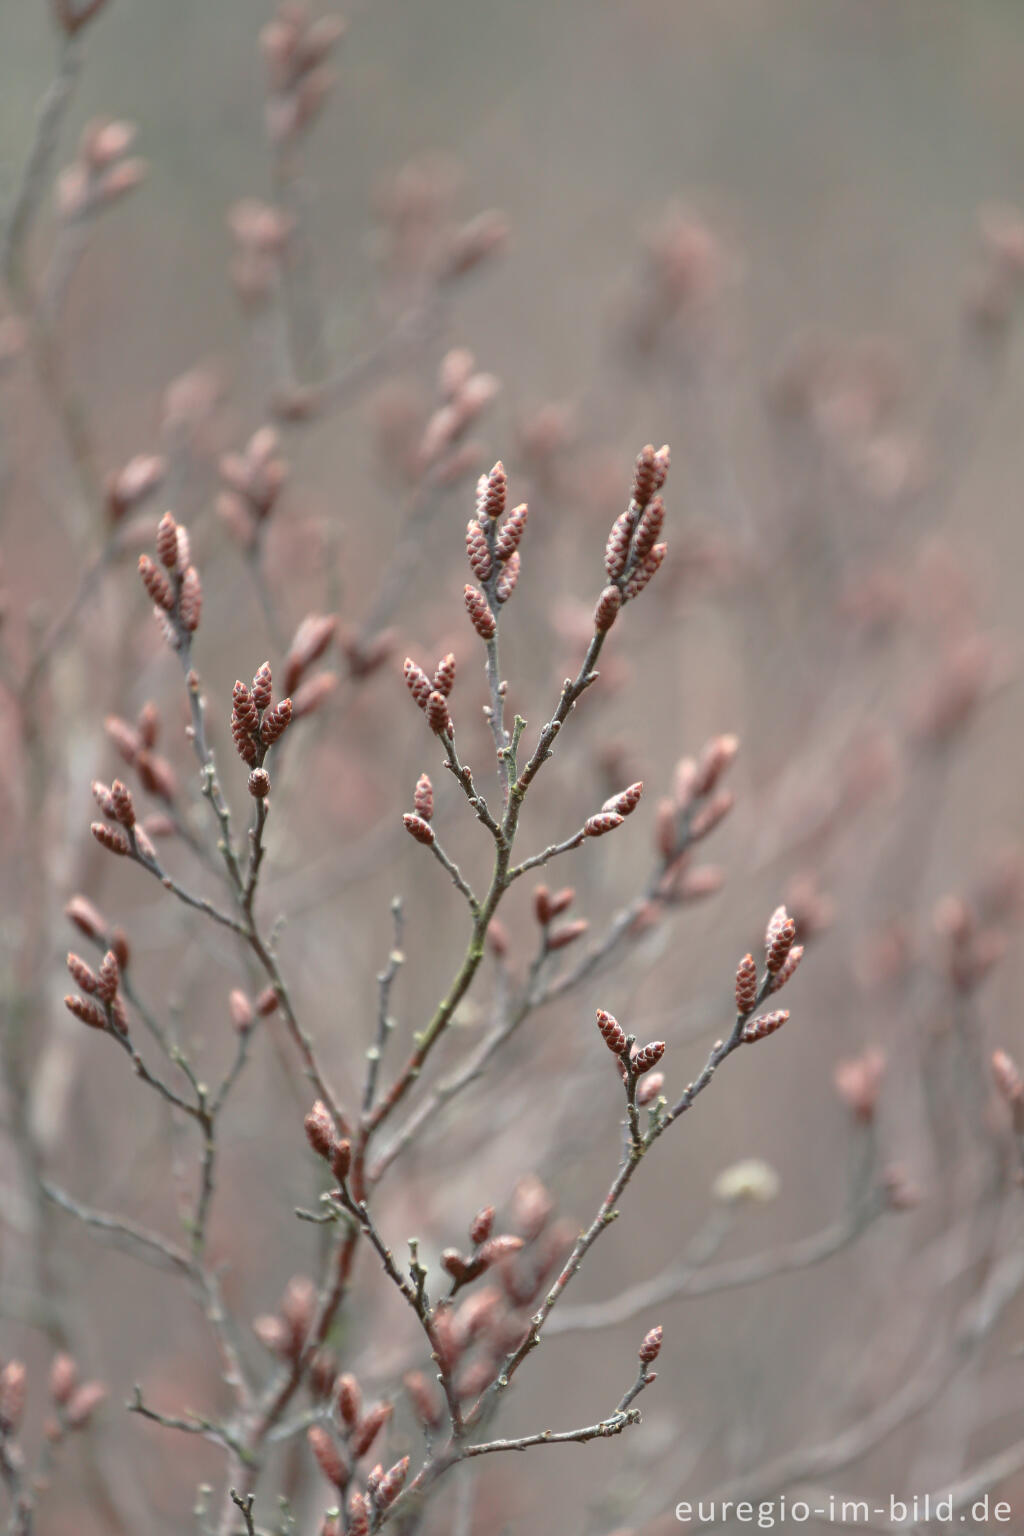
<point>371,1426</point>
<point>511,533</point>
<point>477,551</point>
<point>626,801</point>
<point>650,1088</point>
<point>275,722</point>
<point>423,798</point>
<point>648,1056</point>
<point>81,974</point>
<point>101,794</point>
<point>108,978</point>
<point>418,828</point>
<point>124,736</point>
<point>612,1033</point>
<point>787,968</point>
<point>778,939</point>
<point>506,582</point>
<point>358,1515</point>
<point>328,1456</point>
<point>244,722</point>
<point>746,984</point>
<point>714,760</point>
<point>608,605</point>
<point>648,531</point>
<point>110,838</point>
<point>651,1346</point>
<point>568,933</point>
<point>480,1226</point>
<point>310,641</point>
<point>313,694</point>
<point>417,681</point>
<point>349,1399</point>
<point>319,1128</point>
<point>167,541</point>
<point>497,1248</point>
<point>121,803</point>
<point>262,685</point>
<point>645,475</point>
<point>190,599</point>
<point>157,775</point>
<point>643,573</point>
<point>604,821</point>
<point>87,918</point>
<point>259,783</point>
<point>86,1010</point>
<point>480,615</point>
<point>765,1024</point>
<point>267,1002</point>
<point>444,675</point>
<point>156,584</point>
<point>341,1161</point>
<point>711,814</point>
<point>542,905</point>
<point>424,1399</point>
<point>63,1378</point>
<point>84,1402</point>
<point>438,718</point>
<point>391,1483</point>
<point>616,551</point>
<point>240,1009</point>
<point>492,491</point>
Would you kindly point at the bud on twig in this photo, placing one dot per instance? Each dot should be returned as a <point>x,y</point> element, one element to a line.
<point>327,1455</point>
<point>651,1346</point>
<point>275,722</point>
<point>746,984</point>
<point>438,718</point>
<point>417,682</point>
<point>85,1009</point>
<point>374,1421</point>
<point>320,1130</point>
<point>423,798</point>
<point>779,938</point>
<point>604,821</point>
<point>626,802</point>
<point>612,1034</point>
<point>568,933</point>
<point>608,605</point>
<point>480,1226</point>
<point>420,829</point>
<point>110,838</point>
<point>480,615</point>
<point>648,1057</point>
<point>765,1024</point>
<point>259,783</point>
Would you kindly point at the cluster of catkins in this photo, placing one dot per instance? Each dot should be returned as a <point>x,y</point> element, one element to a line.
<point>492,544</point>
<point>256,723</point>
<point>349,1431</point>
<point>782,956</point>
<point>175,588</point>
<point>100,1004</point>
<point>72,1401</point>
<point>432,695</point>
<point>633,554</point>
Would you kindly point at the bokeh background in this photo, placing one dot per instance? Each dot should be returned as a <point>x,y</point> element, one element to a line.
<point>781,237</point>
